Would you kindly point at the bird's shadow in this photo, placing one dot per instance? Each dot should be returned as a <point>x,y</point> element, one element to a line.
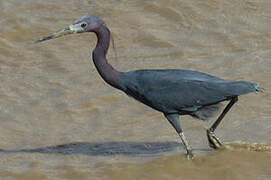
<point>104,148</point>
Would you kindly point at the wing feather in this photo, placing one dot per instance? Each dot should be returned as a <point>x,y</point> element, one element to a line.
<point>181,90</point>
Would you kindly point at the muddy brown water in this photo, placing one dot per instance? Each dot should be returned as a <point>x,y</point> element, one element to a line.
<point>60,120</point>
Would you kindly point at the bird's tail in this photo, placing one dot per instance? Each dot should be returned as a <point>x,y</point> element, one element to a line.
<point>238,88</point>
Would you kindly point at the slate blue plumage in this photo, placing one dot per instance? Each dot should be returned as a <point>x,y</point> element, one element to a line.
<point>173,92</point>
<point>181,91</point>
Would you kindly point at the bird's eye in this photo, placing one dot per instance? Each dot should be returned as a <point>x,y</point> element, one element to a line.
<point>83,25</point>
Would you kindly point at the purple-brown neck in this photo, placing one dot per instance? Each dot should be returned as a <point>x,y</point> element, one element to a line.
<point>108,73</point>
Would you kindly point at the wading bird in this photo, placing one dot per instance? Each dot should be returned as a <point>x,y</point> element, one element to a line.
<point>173,92</point>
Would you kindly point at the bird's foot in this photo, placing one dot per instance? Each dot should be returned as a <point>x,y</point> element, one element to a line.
<point>214,142</point>
<point>189,154</point>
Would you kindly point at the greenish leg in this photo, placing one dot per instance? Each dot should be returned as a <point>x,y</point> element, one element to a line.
<point>174,121</point>
<point>214,142</point>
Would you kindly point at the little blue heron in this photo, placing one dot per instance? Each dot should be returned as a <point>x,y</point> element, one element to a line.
<point>173,92</point>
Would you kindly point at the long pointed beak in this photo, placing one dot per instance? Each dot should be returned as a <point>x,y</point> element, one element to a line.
<point>60,33</point>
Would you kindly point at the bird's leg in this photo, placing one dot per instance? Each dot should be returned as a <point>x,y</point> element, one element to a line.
<point>174,121</point>
<point>214,142</point>
<point>189,153</point>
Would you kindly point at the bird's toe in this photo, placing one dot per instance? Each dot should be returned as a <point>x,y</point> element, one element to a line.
<point>214,142</point>
<point>189,155</point>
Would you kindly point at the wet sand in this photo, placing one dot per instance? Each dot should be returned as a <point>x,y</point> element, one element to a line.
<point>60,120</point>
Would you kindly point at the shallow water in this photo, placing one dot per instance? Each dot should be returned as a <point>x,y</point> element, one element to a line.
<point>60,120</point>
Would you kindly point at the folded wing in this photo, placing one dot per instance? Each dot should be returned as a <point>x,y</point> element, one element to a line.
<point>172,91</point>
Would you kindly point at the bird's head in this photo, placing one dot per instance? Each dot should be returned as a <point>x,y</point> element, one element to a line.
<point>88,23</point>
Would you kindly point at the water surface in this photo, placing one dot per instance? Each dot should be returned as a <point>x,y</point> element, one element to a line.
<point>60,120</point>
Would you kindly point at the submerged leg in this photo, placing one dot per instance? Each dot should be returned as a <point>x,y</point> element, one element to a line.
<point>174,121</point>
<point>214,142</point>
